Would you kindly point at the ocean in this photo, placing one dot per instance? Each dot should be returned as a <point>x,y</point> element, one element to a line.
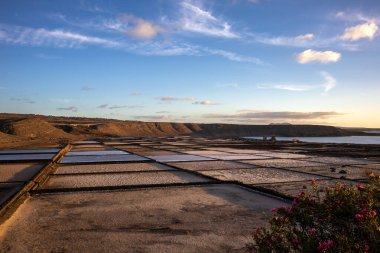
<point>338,139</point>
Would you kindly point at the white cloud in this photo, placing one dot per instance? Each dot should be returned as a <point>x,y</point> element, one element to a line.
<point>328,84</point>
<point>308,36</point>
<point>140,28</point>
<point>318,56</point>
<point>303,40</point>
<point>330,81</point>
<point>289,87</point>
<point>197,20</point>
<point>45,37</point>
<point>366,30</point>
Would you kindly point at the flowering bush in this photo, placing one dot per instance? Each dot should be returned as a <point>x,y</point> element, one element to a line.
<point>344,219</point>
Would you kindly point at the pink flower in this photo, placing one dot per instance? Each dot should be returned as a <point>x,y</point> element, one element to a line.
<point>372,213</point>
<point>301,194</point>
<point>323,246</point>
<point>312,231</point>
<point>359,216</point>
<point>295,242</point>
<point>274,210</point>
<point>360,187</point>
<point>366,247</point>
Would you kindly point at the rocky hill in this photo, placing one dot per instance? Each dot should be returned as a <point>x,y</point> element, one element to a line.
<point>15,127</point>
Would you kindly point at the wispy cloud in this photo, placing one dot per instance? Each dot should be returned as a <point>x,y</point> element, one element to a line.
<point>153,117</point>
<point>173,99</point>
<point>88,88</point>
<point>318,56</point>
<point>330,81</point>
<point>114,107</point>
<point>135,93</point>
<point>233,56</point>
<point>226,85</point>
<point>44,37</point>
<point>46,56</point>
<point>205,102</point>
<point>249,115</point>
<point>131,25</point>
<point>163,112</point>
<point>71,109</point>
<point>196,19</point>
<point>59,100</point>
<point>328,84</point>
<point>289,87</point>
<point>24,100</point>
<point>303,40</point>
<point>117,107</point>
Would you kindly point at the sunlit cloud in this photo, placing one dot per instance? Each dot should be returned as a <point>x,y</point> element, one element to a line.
<point>366,30</point>
<point>274,115</point>
<point>318,56</point>
<point>139,28</point>
<point>197,20</point>
<point>103,106</point>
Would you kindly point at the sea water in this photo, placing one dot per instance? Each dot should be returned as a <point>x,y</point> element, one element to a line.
<point>338,139</point>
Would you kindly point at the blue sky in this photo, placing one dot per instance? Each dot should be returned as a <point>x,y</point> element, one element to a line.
<point>229,61</point>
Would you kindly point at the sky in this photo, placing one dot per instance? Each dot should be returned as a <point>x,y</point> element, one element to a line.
<point>210,61</point>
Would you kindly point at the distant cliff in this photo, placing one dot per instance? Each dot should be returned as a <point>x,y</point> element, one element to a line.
<point>269,130</point>
<point>27,126</point>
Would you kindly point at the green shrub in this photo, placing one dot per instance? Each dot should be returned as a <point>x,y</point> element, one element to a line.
<point>342,219</point>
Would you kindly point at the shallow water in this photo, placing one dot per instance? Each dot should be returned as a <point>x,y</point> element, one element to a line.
<point>339,139</point>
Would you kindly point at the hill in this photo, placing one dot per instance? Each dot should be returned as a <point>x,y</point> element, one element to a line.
<point>15,127</point>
